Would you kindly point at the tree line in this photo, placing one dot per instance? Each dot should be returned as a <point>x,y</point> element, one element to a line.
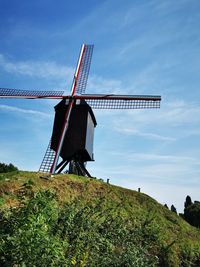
<point>7,168</point>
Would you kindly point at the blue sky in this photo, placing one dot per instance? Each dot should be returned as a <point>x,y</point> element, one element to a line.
<point>141,47</point>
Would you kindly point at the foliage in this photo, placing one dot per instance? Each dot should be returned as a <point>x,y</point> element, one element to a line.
<point>173,209</point>
<point>41,234</point>
<point>188,202</point>
<point>7,168</point>
<point>101,236</point>
<point>192,214</point>
<point>26,238</point>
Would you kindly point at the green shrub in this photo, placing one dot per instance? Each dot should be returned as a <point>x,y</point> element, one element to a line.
<point>26,238</point>
<point>42,234</point>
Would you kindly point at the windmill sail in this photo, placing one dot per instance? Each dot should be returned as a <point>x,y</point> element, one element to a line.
<point>84,69</point>
<point>121,101</point>
<point>30,94</point>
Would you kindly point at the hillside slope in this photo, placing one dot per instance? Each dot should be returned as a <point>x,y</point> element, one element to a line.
<point>169,239</point>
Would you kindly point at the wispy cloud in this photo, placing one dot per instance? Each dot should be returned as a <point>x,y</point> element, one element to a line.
<point>50,69</point>
<point>174,121</point>
<point>132,156</point>
<point>181,172</point>
<point>160,169</point>
<point>98,84</point>
<point>172,113</point>
<point>27,112</point>
<point>41,69</point>
<point>148,135</point>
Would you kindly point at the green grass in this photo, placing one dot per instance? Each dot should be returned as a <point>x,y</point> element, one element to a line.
<point>179,242</point>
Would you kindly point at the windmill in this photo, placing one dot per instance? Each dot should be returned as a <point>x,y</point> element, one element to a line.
<point>71,141</point>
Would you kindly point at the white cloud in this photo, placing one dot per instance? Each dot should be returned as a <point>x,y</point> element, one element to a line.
<point>180,171</point>
<point>177,115</point>
<point>97,84</point>
<point>41,69</point>
<point>172,122</point>
<point>6,108</point>
<point>181,112</point>
<point>50,69</point>
<point>147,135</point>
<point>132,156</point>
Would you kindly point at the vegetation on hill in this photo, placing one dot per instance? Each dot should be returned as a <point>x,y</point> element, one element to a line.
<point>74,221</point>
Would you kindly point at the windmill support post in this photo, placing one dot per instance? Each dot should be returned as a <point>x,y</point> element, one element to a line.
<point>61,168</point>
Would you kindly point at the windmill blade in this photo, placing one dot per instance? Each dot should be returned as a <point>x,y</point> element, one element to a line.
<point>82,70</point>
<point>29,94</point>
<point>121,101</point>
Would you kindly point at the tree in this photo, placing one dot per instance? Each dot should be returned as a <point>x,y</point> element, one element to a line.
<point>192,214</point>
<point>188,202</point>
<point>173,209</point>
<point>7,168</point>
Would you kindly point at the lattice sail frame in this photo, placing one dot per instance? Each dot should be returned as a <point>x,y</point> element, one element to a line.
<point>31,94</point>
<point>95,101</point>
<point>121,101</point>
<point>84,69</point>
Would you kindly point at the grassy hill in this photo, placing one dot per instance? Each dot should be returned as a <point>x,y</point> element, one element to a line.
<point>75,221</point>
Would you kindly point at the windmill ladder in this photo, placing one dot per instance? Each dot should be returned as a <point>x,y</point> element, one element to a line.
<point>47,160</point>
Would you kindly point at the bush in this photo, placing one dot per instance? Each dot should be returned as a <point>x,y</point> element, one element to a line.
<point>42,234</point>
<point>26,234</point>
